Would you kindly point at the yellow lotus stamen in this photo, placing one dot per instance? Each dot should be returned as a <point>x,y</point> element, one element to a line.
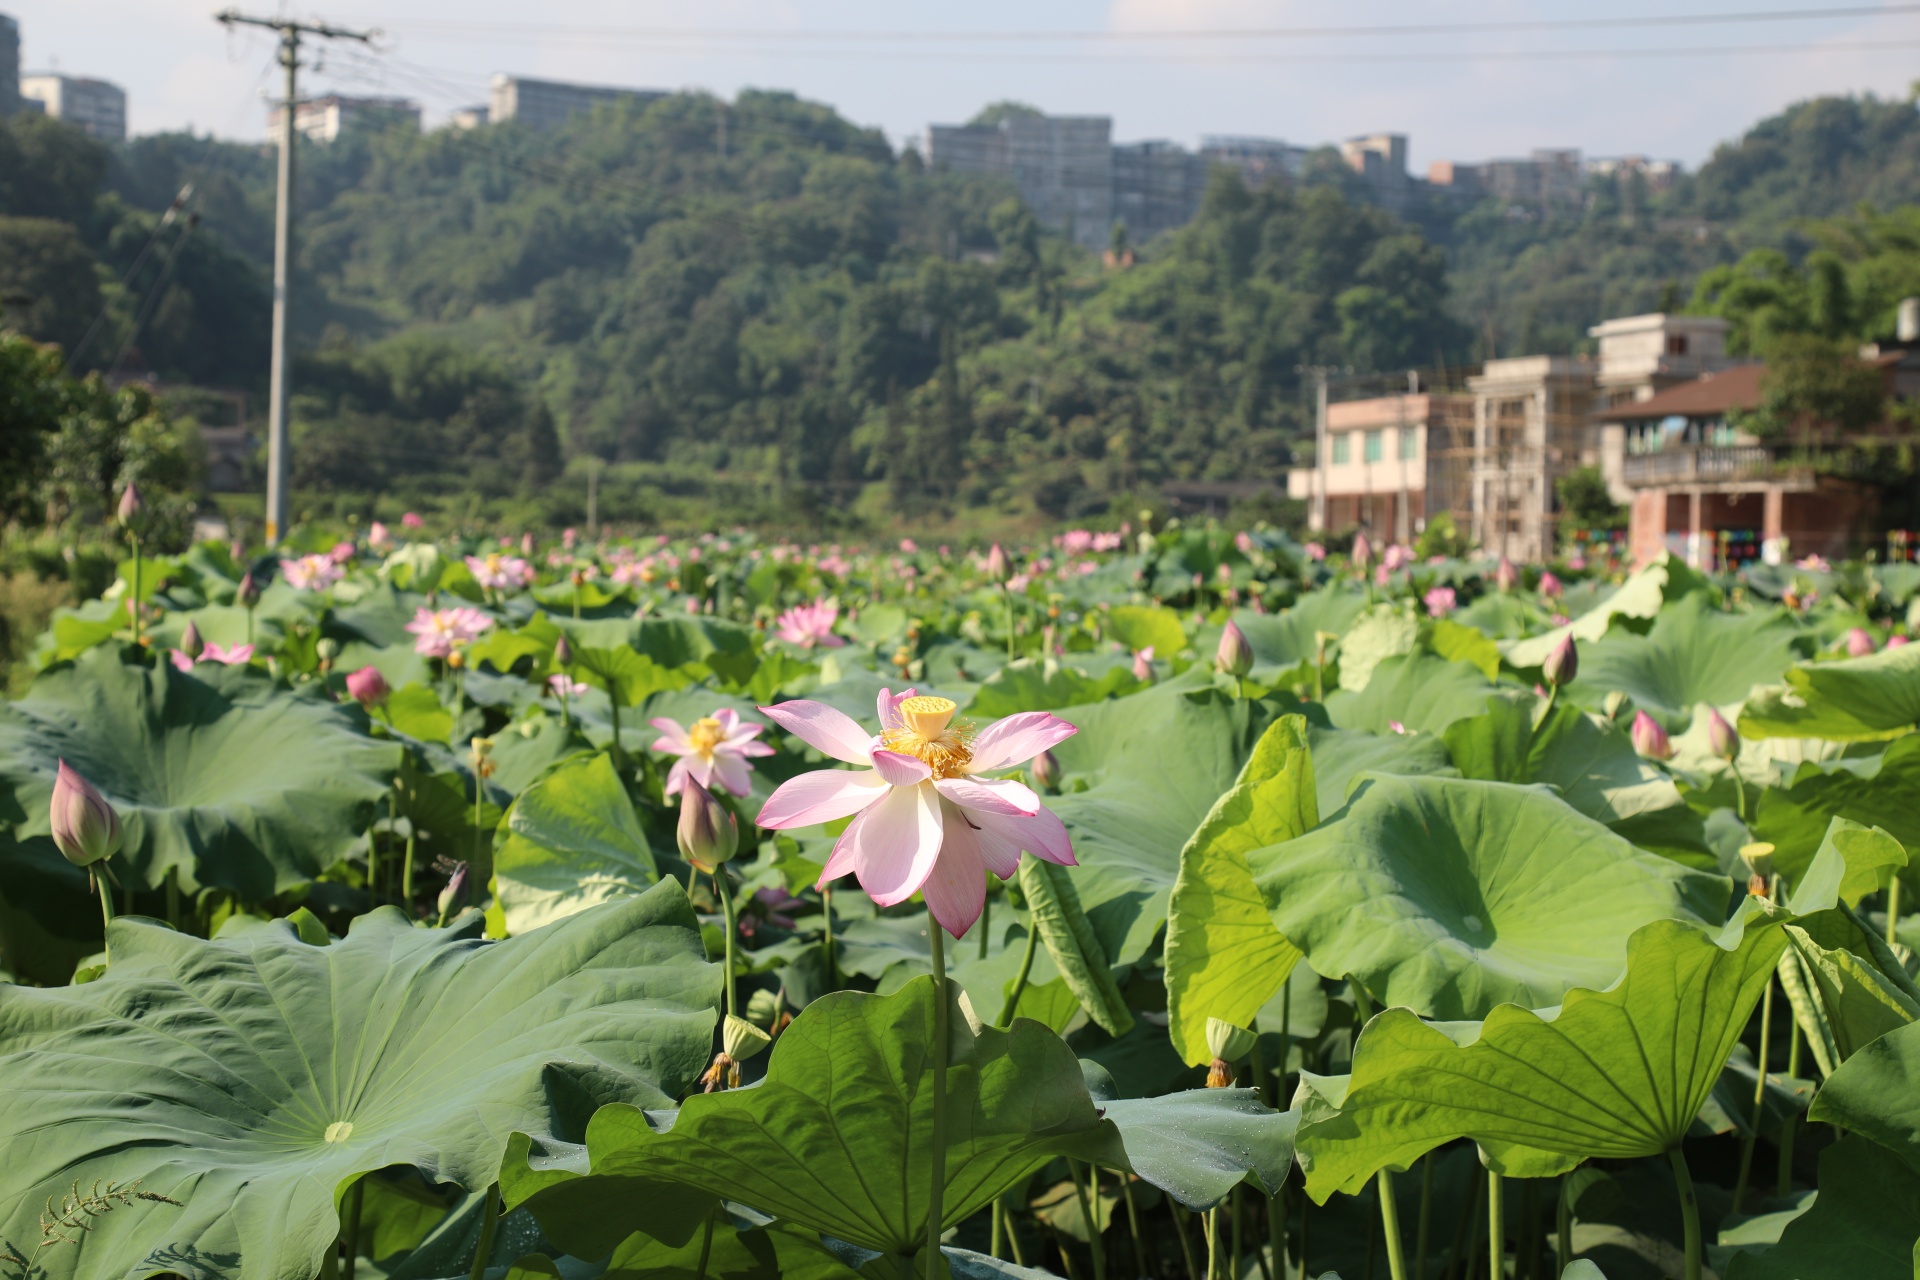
<point>705,734</point>
<point>929,734</point>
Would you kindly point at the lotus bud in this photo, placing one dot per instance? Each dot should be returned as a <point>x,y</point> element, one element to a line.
<point>1045,770</point>
<point>1895,642</point>
<point>326,649</point>
<point>996,563</point>
<point>130,505</point>
<point>1859,643</point>
<point>480,754</point>
<point>707,833</point>
<point>368,687</point>
<point>741,1040</point>
<point>1228,1044</point>
<point>1143,663</point>
<point>1505,576</point>
<point>1722,737</point>
<point>1362,551</point>
<point>455,892</point>
<point>1234,657</point>
<point>562,653</point>
<point>1563,663</point>
<point>526,543</point>
<point>1616,704</point>
<point>190,642</point>
<point>1649,739</point>
<point>85,827</point>
<point>248,593</point>
<point>1550,586</point>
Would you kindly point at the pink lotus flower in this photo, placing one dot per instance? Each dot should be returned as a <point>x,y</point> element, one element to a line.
<point>1550,586</point>
<point>908,546</point>
<point>231,656</point>
<point>437,631</point>
<point>834,565</point>
<point>1362,554</point>
<point>495,572</point>
<point>1396,557</point>
<point>368,687</point>
<point>411,521</point>
<point>1315,551</point>
<point>1859,643</point>
<point>1895,642</point>
<point>1440,602</point>
<point>713,751</point>
<point>1813,564</point>
<point>927,822</point>
<point>565,686</point>
<point>377,536</point>
<point>310,573</point>
<point>808,625</point>
<point>1143,663</point>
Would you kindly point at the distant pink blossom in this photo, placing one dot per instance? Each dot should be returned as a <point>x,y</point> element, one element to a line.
<point>908,546</point>
<point>411,521</point>
<point>342,552</point>
<point>310,573</point>
<point>495,572</point>
<point>1550,586</point>
<point>568,537</point>
<point>1018,583</point>
<point>437,631</point>
<point>713,751</point>
<point>377,536</point>
<point>1440,602</point>
<point>1860,642</point>
<point>563,686</point>
<point>1813,564</point>
<point>1244,541</point>
<point>1396,557</point>
<point>810,625</point>
<point>1143,663</point>
<point>1109,541</point>
<point>1315,551</point>
<point>1895,642</point>
<point>238,655</point>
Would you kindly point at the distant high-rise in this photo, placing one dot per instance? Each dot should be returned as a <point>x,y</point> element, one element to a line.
<point>1063,166</point>
<point>1157,186</point>
<point>546,104</point>
<point>94,105</point>
<point>1258,160</point>
<point>324,119</point>
<point>9,66</point>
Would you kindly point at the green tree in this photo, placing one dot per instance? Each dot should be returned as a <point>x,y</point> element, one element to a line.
<point>1815,384</point>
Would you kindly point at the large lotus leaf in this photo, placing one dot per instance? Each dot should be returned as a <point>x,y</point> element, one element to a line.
<point>1199,1144</point>
<point>1435,894</point>
<point>1660,581</point>
<point>1860,1002</point>
<point>1876,1093</point>
<point>254,1077</point>
<point>836,1137</point>
<point>1381,632</point>
<point>670,642</point>
<point>1877,790</point>
<point>223,776</point>
<point>1589,761</point>
<point>1152,765</point>
<point>1852,700</point>
<point>1139,627</point>
<point>1417,691</point>
<point>1694,653</point>
<point>378,618</point>
<point>1029,685</point>
<point>1223,956</point>
<point>1865,1224</point>
<point>1286,639</point>
<point>1616,1074</point>
<point>1343,756</point>
<point>572,842</point>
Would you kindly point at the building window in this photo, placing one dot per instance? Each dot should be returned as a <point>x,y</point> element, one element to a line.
<point>1376,446</point>
<point>1409,444</point>
<point>1342,448</point>
<point>1676,344</point>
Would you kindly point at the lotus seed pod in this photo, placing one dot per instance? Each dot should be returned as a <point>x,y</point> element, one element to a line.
<point>742,1040</point>
<point>1234,656</point>
<point>85,828</point>
<point>1228,1042</point>
<point>707,833</point>
<point>1649,739</point>
<point>1759,859</point>
<point>1563,663</point>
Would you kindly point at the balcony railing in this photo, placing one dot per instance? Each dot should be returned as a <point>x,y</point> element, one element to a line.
<point>1703,463</point>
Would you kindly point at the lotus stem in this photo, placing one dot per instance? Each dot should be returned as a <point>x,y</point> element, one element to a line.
<point>613,709</point>
<point>706,1245</point>
<point>1306,1203</point>
<point>1007,592</point>
<point>826,911</point>
<point>1759,1098</point>
<point>1422,1232</point>
<point>937,1165</point>
<point>1090,1212</point>
<point>1496,1229</point>
<point>1739,795</point>
<point>106,916</point>
<point>1472,1237</point>
<point>173,893</point>
<point>1020,979</point>
<point>1235,1210</point>
<point>406,870</point>
<point>355,1199</point>
<point>986,916</point>
<point>489,1224</point>
<point>1213,1244</point>
<point>135,611</point>
<point>1792,1122</point>
<point>724,891</point>
<point>1893,909</point>
<point>1186,1246</point>
<point>1689,1211</point>
<point>1563,1227</point>
<point>996,1217</point>
<point>1133,1226</point>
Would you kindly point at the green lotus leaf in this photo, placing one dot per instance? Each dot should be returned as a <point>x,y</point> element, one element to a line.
<point>1383,631</point>
<point>572,842</point>
<point>1457,642</point>
<point>1152,765</point>
<point>1140,627</point>
<point>1619,1073</point>
<point>1851,700</point>
<point>1027,685</point>
<point>222,776</point>
<point>1693,654</point>
<point>1861,1003</point>
<point>1433,893</point>
<point>254,1077</point>
<point>1199,1144</point>
<point>1864,1225</point>
<point>1874,790</point>
<point>1661,581</point>
<point>835,1138</point>
<point>1223,956</point>
<point>1876,1094</point>
<point>1286,639</point>
<point>1417,691</point>
<point>1069,938</point>
<point>1341,757</point>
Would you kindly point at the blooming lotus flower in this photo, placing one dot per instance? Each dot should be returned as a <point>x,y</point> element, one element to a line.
<point>908,546</point>
<point>411,521</point>
<point>1649,739</point>
<point>342,552</point>
<point>1315,551</point>
<point>1396,557</point>
<point>235,655</point>
<point>310,573</point>
<point>713,751</point>
<point>495,572</point>
<point>1859,642</point>
<point>1440,601</point>
<point>86,829</point>
<point>926,820</point>
<point>808,625</point>
<point>564,686</point>
<point>437,631</point>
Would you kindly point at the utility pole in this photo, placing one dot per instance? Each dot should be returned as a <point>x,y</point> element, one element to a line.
<point>291,32</point>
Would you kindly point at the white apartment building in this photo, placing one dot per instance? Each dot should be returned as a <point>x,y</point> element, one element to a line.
<point>94,105</point>
<point>324,119</point>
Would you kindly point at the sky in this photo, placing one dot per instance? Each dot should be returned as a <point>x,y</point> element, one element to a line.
<point>1670,92</point>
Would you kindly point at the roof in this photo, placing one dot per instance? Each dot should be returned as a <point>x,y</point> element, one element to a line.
<point>1709,395</point>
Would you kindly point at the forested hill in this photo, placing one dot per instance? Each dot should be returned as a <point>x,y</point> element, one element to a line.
<point>800,314</point>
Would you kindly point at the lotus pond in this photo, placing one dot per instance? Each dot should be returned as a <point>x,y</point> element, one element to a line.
<point>1182,903</point>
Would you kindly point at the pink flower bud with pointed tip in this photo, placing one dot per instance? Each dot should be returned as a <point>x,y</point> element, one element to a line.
<point>1046,771</point>
<point>130,504</point>
<point>455,892</point>
<point>1234,657</point>
<point>1563,662</point>
<point>1143,663</point>
<point>190,642</point>
<point>1505,576</point>
<point>569,538</point>
<point>1895,642</point>
<point>342,552</point>
<point>996,563</point>
<point>248,593</point>
<point>1550,586</point>
<point>526,543</point>
<point>85,827</point>
<point>562,653</point>
<point>1649,739</point>
<point>1722,737</point>
<point>707,834</point>
<point>368,687</point>
<point>1362,551</point>
<point>1859,643</point>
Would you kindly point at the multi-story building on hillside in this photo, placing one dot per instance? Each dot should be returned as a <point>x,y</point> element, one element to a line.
<point>324,119</point>
<point>94,105</point>
<point>1389,462</point>
<point>9,66</point>
<point>1257,160</point>
<point>1157,186</point>
<point>1063,166</point>
<point>546,104</point>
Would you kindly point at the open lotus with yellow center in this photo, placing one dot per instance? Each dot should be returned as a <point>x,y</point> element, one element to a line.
<point>713,751</point>
<point>927,821</point>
